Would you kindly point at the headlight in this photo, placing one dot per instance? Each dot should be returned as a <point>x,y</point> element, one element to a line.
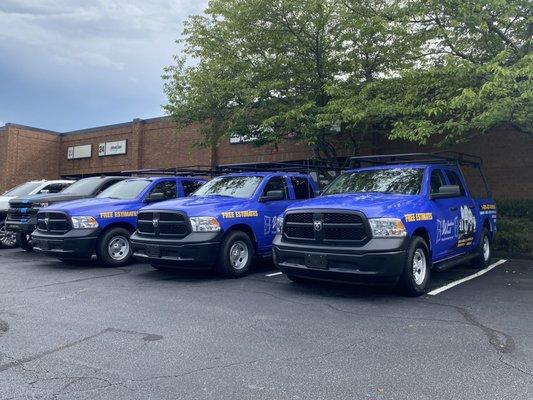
<point>40,205</point>
<point>84,222</point>
<point>279,225</point>
<point>204,224</point>
<point>387,228</point>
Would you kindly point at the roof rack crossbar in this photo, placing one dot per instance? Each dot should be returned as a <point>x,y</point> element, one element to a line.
<point>439,157</point>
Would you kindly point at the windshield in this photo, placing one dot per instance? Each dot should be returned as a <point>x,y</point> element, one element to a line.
<point>242,187</point>
<point>393,180</point>
<point>125,190</point>
<point>84,187</point>
<point>24,189</point>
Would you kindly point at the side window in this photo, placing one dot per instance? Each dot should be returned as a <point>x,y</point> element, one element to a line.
<point>109,183</point>
<point>277,183</point>
<point>189,187</point>
<point>168,188</point>
<point>54,188</point>
<point>302,188</point>
<point>455,180</point>
<point>437,180</point>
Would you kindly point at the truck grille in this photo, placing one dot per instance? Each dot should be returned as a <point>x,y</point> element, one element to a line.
<point>20,211</point>
<point>164,224</point>
<point>53,222</point>
<point>337,228</point>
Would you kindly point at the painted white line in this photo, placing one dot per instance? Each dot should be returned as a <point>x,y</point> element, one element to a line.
<point>465,279</point>
<point>274,274</point>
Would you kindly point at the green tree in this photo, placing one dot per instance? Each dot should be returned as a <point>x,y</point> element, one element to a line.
<point>330,72</point>
<point>267,68</point>
<point>474,73</point>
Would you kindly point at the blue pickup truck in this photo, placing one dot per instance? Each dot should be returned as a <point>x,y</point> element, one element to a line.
<point>389,223</point>
<point>225,223</point>
<point>103,225</point>
<point>22,214</point>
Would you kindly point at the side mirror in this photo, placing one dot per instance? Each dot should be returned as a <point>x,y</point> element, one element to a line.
<point>273,195</point>
<point>447,191</point>
<point>155,197</point>
<point>44,191</point>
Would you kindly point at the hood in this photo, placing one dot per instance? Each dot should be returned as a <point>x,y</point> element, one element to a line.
<point>373,205</point>
<point>197,206</point>
<point>92,206</point>
<point>50,198</point>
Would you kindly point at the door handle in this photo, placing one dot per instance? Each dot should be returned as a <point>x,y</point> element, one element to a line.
<point>454,208</point>
<point>471,207</point>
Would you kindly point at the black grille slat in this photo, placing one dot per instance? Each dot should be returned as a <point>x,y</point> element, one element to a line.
<point>344,233</point>
<point>300,218</point>
<point>342,218</point>
<point>168,225</point>
<point>303,232</point>
<point>57,222</point>
<point>332,228</point>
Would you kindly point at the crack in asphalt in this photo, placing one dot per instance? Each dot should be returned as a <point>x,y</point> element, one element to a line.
<point>508,363</point>
<point>395,316</point>
<point>148,337</point>
<point>507,345</point>
<point>245,363</point>
<point>122,272</point>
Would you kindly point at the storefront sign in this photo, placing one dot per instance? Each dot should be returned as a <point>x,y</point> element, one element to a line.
<point>76,152</point>
<point>112,148</point>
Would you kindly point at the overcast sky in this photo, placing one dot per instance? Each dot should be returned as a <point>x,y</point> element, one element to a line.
<point>74,64</point>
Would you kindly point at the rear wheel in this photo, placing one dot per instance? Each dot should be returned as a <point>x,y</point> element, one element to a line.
<point>114,247</point>
<point>7,239</point>
<point>417,270</point>
<point>484,250</point>
<point>24,241</point>
<point>236,255</point>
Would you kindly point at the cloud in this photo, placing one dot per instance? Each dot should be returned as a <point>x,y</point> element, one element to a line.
<point>99,48</point>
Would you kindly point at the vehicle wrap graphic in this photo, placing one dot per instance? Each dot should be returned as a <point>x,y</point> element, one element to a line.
<point>467,227</point>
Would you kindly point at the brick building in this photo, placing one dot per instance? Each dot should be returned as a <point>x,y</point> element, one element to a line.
<point>30,153</point>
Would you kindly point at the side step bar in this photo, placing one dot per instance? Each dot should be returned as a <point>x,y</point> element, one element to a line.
<point>459,259</point>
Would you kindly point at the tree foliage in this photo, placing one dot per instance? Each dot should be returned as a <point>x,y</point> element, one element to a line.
<point>332,71</point>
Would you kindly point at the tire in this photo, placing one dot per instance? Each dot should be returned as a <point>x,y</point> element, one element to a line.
<point>8,240</point>
<point>483,254</point>
<point>114,248</point>
<point>24,241</point>
<point>416,275</point>
<point>235,256</point>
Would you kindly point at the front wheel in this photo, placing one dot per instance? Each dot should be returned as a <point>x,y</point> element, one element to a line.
<point>484,250</point>
<point>417,269</point>
<point>7,239</point>
<point>114,247</point>
<point>236,255</point>
<point>24,241</point>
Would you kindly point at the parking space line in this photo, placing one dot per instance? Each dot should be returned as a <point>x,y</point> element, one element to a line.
<point>274,274</point>
<point>467,278</point>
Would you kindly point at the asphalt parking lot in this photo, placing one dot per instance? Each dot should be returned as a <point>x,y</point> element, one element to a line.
<point>72,331</point>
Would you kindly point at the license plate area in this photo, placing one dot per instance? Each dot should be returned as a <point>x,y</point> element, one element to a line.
<point>43,244</point>
<point>153,251</point>
<point>316,261</point>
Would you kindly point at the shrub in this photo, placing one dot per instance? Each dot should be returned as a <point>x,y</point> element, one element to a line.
<point>515,227</point>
